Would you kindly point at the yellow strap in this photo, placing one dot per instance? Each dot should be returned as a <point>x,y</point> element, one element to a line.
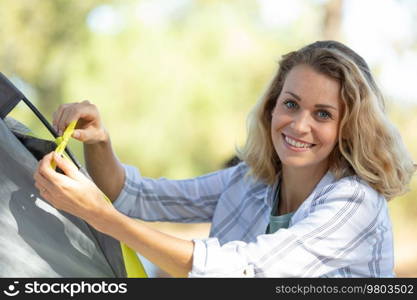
<point>133,266</point>
<point>62,141</point>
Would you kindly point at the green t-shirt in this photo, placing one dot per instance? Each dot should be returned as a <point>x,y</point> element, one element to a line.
<point>277,222</point>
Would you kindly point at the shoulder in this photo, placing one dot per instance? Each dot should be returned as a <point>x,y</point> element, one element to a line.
<point>240,175</point>
<point>241,182</point>
<point>347,190</point>
<point>348,202</point>
<point>352,187</point>
<point>238,172</point>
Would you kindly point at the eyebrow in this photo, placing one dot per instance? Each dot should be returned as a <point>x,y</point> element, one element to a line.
<point>317,105</point>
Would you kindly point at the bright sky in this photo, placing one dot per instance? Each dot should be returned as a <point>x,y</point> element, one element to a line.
<point>382,31</point>
<point>384,37</point>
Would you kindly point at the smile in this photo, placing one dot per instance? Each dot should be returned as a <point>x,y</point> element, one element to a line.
<point>296,144</point>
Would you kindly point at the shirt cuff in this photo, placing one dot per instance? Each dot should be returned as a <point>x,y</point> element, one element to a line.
<point>212,260</point>
<point>128,194</point>
<point>199,258</point>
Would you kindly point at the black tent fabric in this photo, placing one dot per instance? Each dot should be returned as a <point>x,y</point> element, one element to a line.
<point>36,240</point>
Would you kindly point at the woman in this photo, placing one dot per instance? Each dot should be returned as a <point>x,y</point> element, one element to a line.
<point>309,199</point>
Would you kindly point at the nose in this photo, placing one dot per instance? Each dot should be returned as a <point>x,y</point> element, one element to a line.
<point>301,123</point>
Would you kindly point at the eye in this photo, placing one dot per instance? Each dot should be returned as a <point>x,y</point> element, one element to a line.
<point>290,104</point>
<point>323,114</point>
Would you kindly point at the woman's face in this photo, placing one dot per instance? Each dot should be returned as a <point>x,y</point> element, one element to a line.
<point>305,119</point>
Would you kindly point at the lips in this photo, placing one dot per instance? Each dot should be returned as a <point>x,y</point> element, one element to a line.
<point>297,143</point>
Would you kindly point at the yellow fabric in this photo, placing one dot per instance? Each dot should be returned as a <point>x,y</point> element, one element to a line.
<point>62,141</point>
<point>133,266</point>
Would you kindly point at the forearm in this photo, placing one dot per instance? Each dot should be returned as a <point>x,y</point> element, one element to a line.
<point>104,167</point>
<point>171,254</point>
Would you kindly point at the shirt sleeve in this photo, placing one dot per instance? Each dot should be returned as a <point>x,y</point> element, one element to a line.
<point>186,201</point>
<point>338,231</point>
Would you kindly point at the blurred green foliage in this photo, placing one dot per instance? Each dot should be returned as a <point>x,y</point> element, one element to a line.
<point>173,89</point>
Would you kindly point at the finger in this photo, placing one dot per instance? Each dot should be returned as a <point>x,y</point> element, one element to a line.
<point>88,113</point>
<point>46,194</point>
<point>69,115</point>
<point>83,134</point>
<point>78,135</point>
<point>44,167</point>
<point>59,113</point>
<point>66,166</point>
<point>43,185</point>
<point>54,116</point>
<point>50,183</point>
<point>41,190</point>
<point>36,175</point>
<point>40,178</point>
<point>56,179</point>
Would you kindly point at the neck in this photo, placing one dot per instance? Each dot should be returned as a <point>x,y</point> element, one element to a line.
<point>296,185</point>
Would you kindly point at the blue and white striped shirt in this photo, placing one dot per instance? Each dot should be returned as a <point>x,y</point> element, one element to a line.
<point>342,229</point>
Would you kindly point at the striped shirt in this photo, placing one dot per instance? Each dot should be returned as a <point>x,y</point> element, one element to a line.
<point>342,229</point>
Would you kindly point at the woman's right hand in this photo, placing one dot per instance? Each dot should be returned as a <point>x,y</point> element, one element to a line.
<point>89,129</point>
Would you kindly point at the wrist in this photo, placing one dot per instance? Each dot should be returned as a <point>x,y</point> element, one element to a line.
<point>104,136</point>
<point>105,219</point>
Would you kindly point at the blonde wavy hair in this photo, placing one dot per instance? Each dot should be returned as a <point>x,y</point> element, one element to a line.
<point>368,144</point>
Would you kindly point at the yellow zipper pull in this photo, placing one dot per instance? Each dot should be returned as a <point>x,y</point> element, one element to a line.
<point>62,141</point>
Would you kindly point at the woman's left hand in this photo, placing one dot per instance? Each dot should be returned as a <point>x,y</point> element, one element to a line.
<point>72,192</point>
<point>79,196</point>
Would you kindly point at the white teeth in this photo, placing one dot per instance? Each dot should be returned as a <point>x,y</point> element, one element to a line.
<point>297,144</point>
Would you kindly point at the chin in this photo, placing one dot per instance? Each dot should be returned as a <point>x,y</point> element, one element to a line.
<point>296,164</point>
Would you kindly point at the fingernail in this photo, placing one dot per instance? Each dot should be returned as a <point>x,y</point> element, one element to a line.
<point>56,156</point>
